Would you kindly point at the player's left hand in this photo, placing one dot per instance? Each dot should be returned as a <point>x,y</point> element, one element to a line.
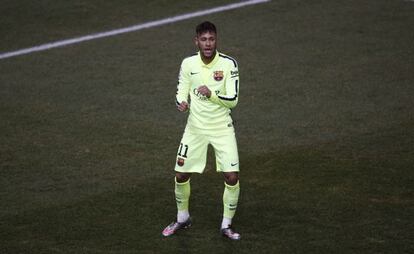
<point>204,90</point>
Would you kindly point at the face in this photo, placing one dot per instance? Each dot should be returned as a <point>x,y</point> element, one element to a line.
<point>206,42</point>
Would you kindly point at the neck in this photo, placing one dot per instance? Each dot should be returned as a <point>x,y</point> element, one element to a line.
<point>207,60</point>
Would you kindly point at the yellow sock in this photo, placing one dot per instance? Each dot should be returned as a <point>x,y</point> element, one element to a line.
<point>230,199</point>
<point>182,197</point>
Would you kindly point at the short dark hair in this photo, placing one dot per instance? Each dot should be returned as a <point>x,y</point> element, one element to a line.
<point>206,26</point>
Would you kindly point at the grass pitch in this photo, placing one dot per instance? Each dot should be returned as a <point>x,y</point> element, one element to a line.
<point>324,125</point>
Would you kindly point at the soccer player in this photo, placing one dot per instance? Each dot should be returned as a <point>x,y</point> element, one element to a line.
<point>208,87</point>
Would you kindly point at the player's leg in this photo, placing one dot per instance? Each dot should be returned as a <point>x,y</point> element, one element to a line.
<point>230,200</point>
<point>225,148</point>
<point>191,158</point>
<point>182,195</point>
<point>231,178</point>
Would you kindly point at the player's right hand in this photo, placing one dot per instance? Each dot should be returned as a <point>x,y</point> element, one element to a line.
<point>183,106</point>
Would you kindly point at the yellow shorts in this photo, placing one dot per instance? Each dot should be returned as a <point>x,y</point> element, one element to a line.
<point>192,152</point>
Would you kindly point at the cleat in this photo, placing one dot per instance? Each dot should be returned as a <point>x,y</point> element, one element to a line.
<point>230,233</point>
<point>175,226</point>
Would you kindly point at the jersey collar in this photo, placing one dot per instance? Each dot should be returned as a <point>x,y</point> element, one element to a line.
<point>212,63</point>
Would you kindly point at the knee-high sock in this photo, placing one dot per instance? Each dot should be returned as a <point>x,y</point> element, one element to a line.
<point>182,197</point>
<point>230,199</point>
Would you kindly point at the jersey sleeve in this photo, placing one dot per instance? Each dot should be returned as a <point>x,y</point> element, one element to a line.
<point>183,86</point>
<point>230,98</point>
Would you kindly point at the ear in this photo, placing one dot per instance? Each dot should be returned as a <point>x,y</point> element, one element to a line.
<point>196,41</point>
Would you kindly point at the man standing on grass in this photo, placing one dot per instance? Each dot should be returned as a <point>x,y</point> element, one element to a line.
<point>211,80</point>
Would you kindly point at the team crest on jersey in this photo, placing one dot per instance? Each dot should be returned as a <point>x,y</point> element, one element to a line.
<point>218,75</point>
<point>180,162</point>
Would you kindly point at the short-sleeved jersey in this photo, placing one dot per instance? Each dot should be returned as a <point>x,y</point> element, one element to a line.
<point>221,76</point>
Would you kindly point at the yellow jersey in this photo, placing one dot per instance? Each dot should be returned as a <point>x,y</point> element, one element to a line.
<point>221,76</point>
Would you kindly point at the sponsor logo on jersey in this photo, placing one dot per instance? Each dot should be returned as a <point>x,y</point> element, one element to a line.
<point>218,75</point>
<point>234,74</point>
<point>199,95</point>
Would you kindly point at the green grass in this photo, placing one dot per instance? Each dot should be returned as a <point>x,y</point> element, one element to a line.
<point>324,125</point>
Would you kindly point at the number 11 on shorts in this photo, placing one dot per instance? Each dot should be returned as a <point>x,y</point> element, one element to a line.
<point>180,150</point>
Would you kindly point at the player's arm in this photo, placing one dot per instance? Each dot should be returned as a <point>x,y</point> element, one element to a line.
<point>183,89</point>
<point>231,96</point>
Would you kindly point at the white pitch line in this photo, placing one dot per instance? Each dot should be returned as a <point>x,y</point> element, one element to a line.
<point>129,29</point>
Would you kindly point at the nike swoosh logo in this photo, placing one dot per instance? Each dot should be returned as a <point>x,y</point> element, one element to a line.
<point>234,164</point>
<point>194,73</point>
